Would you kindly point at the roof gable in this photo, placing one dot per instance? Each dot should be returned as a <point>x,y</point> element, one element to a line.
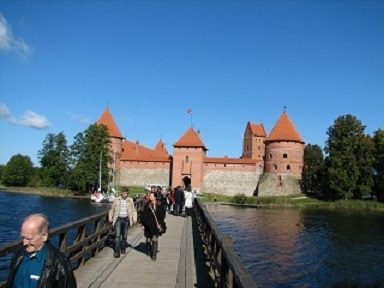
<point>190,139</point>
<point>160,147</point>
<point>136,151</point>
<point>106,119</point>
<point>256,129</point>
<point>284,130</point>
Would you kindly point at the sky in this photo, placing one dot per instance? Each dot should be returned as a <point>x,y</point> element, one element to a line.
<point>62,63</point>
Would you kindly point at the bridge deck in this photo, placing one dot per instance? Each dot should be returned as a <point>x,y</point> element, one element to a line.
<point>180,262</point>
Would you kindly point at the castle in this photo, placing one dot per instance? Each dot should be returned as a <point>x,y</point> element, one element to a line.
<point>270,165</point>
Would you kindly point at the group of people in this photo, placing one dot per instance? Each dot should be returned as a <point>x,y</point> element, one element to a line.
<point>175,200</point>
<point>39,264</point>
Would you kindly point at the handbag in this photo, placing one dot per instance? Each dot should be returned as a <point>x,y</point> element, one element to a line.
<point>160,228</point>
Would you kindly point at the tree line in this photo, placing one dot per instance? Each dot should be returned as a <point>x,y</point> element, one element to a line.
<point>351,167</point>
<point>76,167</point>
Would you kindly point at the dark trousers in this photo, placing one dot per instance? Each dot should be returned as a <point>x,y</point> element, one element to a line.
<point>177,208</point>
<point>121,233</point>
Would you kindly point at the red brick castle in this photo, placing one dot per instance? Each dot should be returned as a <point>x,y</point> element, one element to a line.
<point>269,165</point>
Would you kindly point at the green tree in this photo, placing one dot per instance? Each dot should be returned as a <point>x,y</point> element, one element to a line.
<point>349,159</point>
<point>90,149</point>
<point>18,171</point>
<point>313,161</point>
<point>54,160</point>
<point>378,163</point>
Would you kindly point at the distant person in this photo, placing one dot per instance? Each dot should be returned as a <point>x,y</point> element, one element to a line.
<point>38,263</point>
<point>152,215</point>
<point>179,199</point>
<point>122,215</point>
<point>188,201</point>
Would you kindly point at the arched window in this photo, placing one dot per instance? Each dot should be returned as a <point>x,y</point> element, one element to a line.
<point>275,167</point>
<point>288,167</point>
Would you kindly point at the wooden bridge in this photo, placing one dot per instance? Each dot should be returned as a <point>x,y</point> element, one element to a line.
<point>193,253</point>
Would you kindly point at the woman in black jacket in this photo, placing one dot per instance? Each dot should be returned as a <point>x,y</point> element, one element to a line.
<point>152,216</point>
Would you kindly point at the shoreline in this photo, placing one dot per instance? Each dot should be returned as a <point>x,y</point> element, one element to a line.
<point>42,191</point>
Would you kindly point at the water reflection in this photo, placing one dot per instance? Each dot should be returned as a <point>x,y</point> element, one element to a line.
<point>305,248</point>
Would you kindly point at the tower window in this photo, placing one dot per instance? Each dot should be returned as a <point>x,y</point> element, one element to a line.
<point>186,159</point>
<point>285,155</point>
<point>275,167</point>
<point>288,167</point>
<point>270,156</point>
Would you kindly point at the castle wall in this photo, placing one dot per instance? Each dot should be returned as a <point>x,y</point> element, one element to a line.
<point>272,184</point>
<point>231,182</point>
<point>144,176</point>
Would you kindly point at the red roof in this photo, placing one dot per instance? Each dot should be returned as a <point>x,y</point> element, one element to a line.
<point>190,139</point>
<point>137,152</point>
<point>106,119</point>
<point>257,129</point>
<point>284,130</point>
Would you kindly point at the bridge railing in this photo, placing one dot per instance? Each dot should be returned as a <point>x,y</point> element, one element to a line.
<point>226,267</point>
<point>88,237</point>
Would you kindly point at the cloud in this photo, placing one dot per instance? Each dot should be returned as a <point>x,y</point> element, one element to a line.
<point>11,43</point>
<point>4,112</point>
<point>29,119</point>
<point>79,118</point>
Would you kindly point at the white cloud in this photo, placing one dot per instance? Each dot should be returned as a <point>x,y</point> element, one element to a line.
<point>29,119</point>
<point>4,112</point>
<point>81,119</point>
<point>9,42</point>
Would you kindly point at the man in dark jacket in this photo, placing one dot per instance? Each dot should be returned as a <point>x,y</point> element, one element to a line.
<point>179,201</point>
<point>38,263</point>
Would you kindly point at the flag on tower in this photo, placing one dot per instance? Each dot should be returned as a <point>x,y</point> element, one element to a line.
<point>189,111</point>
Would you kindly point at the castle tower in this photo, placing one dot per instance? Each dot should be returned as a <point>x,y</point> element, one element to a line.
<point>284,159</point>
<point>188,159</point>
<point>253,143</point>
<point>106,119</point>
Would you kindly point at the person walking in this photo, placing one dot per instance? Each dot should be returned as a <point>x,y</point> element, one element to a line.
<point>152,216</point>
<point>188,197</point>
<point>179,199</point>
<point>122,214</point>
<point>37,263</point>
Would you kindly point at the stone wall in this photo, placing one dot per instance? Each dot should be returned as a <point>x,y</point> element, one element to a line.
<point>143,177</point>
<point>272,184</point>
<point>230,182</point>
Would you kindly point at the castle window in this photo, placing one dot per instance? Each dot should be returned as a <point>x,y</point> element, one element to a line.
<point>186,159</point>
<point>285,155</point>
<point>275,167</point>
<point>258,148</point>
<point>270,156</point>
<point>288,167</point>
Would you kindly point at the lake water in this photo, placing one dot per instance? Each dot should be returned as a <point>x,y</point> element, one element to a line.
<point>15,207</point>
<point>306,247</point>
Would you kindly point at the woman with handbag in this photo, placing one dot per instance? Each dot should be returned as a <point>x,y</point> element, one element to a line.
<point>153,220</point>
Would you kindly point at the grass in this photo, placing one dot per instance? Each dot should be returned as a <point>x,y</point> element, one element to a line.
<point>298,200</point>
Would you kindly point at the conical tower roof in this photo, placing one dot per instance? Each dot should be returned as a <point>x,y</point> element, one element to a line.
<point>190,139</point>
<point>284,130</point>
<point>106,119</point>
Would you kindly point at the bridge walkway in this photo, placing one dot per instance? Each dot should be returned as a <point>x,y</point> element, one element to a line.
<point>180,262</point>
